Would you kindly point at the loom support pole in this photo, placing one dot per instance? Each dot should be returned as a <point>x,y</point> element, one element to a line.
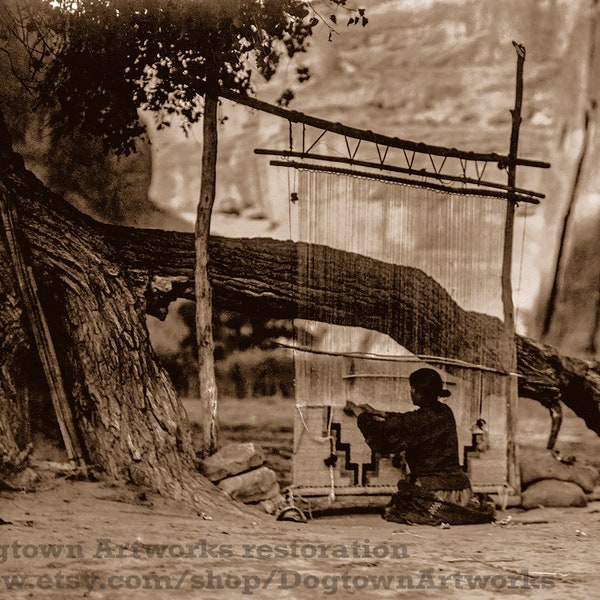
<point>507,299</point>
<point>203,289</point>
<point>509,319</point>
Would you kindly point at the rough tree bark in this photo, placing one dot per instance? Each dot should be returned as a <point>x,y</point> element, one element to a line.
<point>98,282</point>
<point>13,360</point>
<point>129,419</point>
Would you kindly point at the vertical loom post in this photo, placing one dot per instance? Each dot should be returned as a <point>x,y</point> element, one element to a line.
<point>507,299</point>
<point>203,289</point>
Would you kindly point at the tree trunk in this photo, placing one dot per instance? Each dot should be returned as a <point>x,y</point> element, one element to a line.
<point>203,292</point>
<point>129,420</point>
<point>97,282</point>
<point>14,346</point>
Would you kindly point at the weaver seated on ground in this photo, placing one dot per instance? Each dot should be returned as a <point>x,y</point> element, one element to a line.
<point>437,489</point>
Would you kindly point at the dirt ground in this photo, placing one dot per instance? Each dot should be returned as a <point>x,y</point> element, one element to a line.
<point>99,540</point>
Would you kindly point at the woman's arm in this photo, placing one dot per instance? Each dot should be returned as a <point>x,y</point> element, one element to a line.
<point>379,435</point>
<point>354,410</point>
<point>396,431</point>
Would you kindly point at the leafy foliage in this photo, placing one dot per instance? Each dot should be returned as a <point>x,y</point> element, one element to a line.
<point>100,61</point>
<point>112,189</point>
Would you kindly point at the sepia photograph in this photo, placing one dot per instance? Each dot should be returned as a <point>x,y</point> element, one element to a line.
<point>299,298</point>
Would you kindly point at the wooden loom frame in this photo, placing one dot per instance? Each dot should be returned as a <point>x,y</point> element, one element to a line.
<point>485,188</point>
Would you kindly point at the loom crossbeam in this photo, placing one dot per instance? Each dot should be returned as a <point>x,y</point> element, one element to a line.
<point>376,138</point>
<point>509,193</point>
<point>382,166</point>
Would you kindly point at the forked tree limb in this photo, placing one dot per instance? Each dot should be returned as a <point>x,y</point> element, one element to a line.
<point>245,277</point>
<point>260,276</point>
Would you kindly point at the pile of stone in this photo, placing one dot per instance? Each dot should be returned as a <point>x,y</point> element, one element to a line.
<point>239,470</point>
<point>549,481</point>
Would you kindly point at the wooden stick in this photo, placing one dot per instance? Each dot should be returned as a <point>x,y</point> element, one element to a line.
<point>203,290</point>
<point>400,180</point>
<point>389,357</point>
<point>376,138</point>
<point>507,299</point>
<point>516,571</point>
<point>395,169</point>
<point>41,333</point>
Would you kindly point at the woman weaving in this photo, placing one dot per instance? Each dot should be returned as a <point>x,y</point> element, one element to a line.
<point>437,490</point>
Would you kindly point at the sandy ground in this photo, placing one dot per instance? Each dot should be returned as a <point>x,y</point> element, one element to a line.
<point>99,540</point>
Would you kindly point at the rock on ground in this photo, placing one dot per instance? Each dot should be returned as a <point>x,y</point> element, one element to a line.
<point>252,486</point>
<point>539,463</point>
<point>232,460</point>
<point>552,492</point>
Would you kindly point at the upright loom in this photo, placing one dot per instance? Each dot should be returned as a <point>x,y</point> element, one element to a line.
<point>444,250</point>
<point>439,235</point>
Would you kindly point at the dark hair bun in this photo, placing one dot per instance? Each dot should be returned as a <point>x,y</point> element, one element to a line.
<point>428,381</point>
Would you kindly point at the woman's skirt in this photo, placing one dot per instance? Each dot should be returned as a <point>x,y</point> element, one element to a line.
<point>414,505</point>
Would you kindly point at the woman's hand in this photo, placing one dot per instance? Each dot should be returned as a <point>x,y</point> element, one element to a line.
<point>374,411</point>
<point>352,409</point>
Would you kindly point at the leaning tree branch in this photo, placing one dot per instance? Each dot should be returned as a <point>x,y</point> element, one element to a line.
<point>260,276</point>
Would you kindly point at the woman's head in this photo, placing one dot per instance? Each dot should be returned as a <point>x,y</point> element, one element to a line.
<point>426,386</point>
